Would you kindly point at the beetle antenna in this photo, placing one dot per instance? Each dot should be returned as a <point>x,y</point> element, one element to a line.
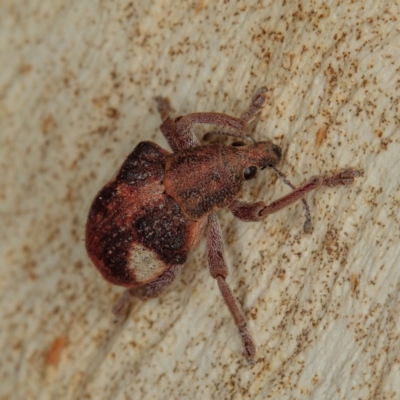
<point>307,224</point>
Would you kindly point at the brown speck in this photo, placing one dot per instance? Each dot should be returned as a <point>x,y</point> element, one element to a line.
<point>354,282</point>
<point>199,7</point>
<point>53,356</point>
<point>47,124</point>
<point>282,274</point>
<point>329,238</point>
<point>99,101</point>
<point>384,144</point>
<point>320,136</point>
<point>112,113</point>
<point>267,57</point>
<point>25,69</point>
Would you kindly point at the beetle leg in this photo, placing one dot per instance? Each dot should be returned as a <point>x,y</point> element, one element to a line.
<point>179,132</point>
<point>259,210</point>
<point>121,308</point>
<point>219,271</point>
<point>256,105</point>
<point>152,289</point>
<point>179,137</point>
<point>164,107</point>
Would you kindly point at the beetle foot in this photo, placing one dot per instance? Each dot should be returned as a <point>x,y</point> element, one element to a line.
<point>259,97</point>
<point>248,344</point>
<point>121,308</point>
<point>307,227</point>
<point>345,178</point>
<point>163,106</point>
<point>257,103</point>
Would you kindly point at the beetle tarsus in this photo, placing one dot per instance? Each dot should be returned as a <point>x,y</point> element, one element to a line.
<point>345,178</point>
<point>164,107</point>
<point>121,308</point>
<point>257,103</point>
<point>250,350</point>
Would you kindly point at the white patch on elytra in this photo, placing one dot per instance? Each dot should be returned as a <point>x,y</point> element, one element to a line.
<point>144,264</point>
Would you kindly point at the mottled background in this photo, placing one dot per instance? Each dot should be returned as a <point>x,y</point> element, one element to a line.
<point>77,82</point>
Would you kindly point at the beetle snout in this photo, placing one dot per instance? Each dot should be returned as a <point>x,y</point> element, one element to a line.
<point>277,151</point>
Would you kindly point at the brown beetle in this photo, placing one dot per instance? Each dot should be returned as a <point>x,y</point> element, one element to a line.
<point>143,224</point>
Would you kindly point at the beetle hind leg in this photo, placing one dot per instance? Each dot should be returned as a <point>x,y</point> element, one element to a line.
<point>219,271</point>
<point>156,287</point>
<point>152,289</point>
<point>164,107</point>
<point>121,308</point>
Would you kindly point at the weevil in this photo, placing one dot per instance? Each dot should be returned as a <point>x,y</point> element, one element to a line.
<point>144,223</point>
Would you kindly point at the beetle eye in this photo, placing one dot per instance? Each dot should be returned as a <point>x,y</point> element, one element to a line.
<point>250,173</point>
<point>238,144</point>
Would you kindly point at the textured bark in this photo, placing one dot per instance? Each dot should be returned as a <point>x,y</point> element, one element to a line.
<point>77,88</point>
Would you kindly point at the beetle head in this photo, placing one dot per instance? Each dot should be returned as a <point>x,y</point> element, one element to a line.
<point>203,179</point>
<point>246,159</point>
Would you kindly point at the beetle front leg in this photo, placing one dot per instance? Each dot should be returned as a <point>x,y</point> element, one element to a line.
<point>178,137</point>
<point>179,132</point>
<point>256,105</point>
<point>219,271</point>
<point>259,210</point>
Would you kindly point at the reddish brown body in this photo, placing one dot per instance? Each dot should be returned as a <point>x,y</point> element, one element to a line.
<point>135,230</point>
<point>144,223</point>
<point>154,212</point>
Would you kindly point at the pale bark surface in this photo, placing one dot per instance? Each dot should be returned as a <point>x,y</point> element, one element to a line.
<point>77,87</point>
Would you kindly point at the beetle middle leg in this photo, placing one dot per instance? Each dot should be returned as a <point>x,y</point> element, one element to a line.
<point>219,271</point>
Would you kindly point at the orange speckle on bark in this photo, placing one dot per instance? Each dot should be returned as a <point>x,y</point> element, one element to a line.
<point>53,355</point>
<point>320,136</point>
